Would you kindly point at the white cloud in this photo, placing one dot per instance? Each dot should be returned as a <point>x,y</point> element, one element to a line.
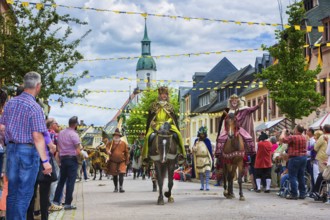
<point>118,35</point>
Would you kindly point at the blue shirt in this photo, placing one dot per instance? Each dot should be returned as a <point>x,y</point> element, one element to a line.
<point>22,115</point>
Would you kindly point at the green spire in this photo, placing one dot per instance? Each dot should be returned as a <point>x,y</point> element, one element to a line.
<point>145,37</point>
<point>146,62</point>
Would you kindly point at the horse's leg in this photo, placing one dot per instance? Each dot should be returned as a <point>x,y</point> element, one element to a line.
<point>225,180</point>
<point>94,168</point>
<point>240,175</point>
<point>170,168</point>
<point>160,183</point>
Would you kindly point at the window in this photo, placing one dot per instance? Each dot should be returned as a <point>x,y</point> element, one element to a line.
<point>259,111</point>
<point>265,107</point>
<point>273,109</point>
<point>217,121</point>
<point>323,87</point>
<point>254,113</point>
<point>309,4</point>
<point>326,33</point>
<point>204,100</point>
<point>249,103</point>
<point>211,126</point>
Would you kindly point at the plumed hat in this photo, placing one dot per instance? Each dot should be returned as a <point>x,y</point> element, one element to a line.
<point>162,89</point>
<point>202,130</point>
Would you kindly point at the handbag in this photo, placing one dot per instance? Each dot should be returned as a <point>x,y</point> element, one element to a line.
<point>326,173</point>
<point>47,178</point>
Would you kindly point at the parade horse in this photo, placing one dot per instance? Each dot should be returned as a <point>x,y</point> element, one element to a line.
<point>232,155</point>
<point>98,159</point>
<point>163,151</point>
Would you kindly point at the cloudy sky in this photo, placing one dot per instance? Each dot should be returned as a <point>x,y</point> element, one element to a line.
<point>119,35</point>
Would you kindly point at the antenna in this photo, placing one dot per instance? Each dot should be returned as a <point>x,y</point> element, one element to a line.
<point>280,8</point>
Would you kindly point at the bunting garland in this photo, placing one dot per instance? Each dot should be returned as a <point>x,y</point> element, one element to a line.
<point>39,6</point>
<point>122,110</point>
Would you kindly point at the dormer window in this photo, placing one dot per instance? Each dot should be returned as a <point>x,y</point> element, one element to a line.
<point>309,4</point>
<point>204,100</point>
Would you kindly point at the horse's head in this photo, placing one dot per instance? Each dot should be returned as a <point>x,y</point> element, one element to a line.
<point>164,128</point>
<point>231,124</point>
<point>163,146</point>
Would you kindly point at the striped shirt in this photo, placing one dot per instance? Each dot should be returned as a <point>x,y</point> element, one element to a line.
<point>22,116</point>
<point>296,145</point>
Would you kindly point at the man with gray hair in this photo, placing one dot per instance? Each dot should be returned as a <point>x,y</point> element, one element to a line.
<point>24,122</point>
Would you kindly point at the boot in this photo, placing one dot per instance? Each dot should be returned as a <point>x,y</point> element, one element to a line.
<point>154,186</point>
<point>121,181</point>
<point>201,177</point>
<point>207,180</point>
<point>268,182</point>
<point>115,182</point>
<point>258,182</point>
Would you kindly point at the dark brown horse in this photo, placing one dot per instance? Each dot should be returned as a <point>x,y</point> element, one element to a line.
<point>163,152</point>
<point>232,157</point>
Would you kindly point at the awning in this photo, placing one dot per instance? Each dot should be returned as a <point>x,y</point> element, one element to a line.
<point>276,125</point>
<point>321,122</point>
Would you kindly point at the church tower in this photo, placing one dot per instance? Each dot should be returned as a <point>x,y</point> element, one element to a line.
<point>146,66</point>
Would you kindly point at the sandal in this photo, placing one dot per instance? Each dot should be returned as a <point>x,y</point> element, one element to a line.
<point>54,208</point>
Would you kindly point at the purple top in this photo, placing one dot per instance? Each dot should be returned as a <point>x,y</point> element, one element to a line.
<point>67,141</point>
<point>22,115</point>
<point>48,140</point>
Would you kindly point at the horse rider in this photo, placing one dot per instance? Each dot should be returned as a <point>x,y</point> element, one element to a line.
<point>118,160</point>
<point>245,121</point>
<point>160,112</point>
<point>203,161</point>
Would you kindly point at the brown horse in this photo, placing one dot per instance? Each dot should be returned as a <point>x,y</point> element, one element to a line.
<point>232,157</point>
<point>98,159</point>
<point>163,152</point>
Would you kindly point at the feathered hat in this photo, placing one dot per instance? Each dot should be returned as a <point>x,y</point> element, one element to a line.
<point>162,89</point>
<point>202,130</point>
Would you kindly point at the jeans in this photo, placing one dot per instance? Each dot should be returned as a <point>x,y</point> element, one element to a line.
<point>68,175</point>
<point>22,170</point>
<point>296,167</point>
<point>54,184</point>
<point>84,169</point>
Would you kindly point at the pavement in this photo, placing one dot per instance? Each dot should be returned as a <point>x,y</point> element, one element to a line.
<point>95,200</point>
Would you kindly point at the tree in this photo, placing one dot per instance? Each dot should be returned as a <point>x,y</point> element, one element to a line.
<point>40,40</point>
<point>137,120</point>
<point>290,83</point>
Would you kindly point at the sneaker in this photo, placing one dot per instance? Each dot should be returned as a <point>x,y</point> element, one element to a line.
<point>53,208</point>
<point>70,207</point>
<point>291,197</point>
<point>258,191</point>
<point>267,191</point>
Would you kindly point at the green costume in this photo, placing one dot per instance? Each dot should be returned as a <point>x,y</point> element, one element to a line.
<point>161,112</point>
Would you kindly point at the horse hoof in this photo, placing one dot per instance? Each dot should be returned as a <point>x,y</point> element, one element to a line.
<point>171,199</point>
<point>167,194</point>
<point>241,198</point>
<point>160,202</point>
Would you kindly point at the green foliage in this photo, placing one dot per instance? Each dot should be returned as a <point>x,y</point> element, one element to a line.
<point>40,40</point>
<point>291,85</point>
<point>138,116</point>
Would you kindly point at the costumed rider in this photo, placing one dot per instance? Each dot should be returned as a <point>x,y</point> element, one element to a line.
<point>245,121</point>
<point>118,160</point>
<point>160,112</point>
<point>202,151</point>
